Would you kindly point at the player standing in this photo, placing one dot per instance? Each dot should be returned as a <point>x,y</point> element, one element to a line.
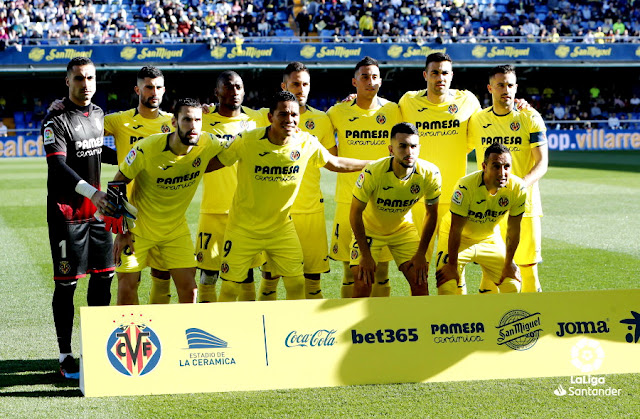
<point>227,120</point>
<point>441,115</point>
<point>384,194</point>
<point>73,141</point>
<point>524,133</point>
<point>470,231</point>
<point>307,211</point>
<point>167,169</point>
<point>130,126</point>
<point>363,127</point>
<point>271,163</point>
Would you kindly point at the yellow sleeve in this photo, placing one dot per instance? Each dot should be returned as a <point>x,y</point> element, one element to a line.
<point>364,185</point>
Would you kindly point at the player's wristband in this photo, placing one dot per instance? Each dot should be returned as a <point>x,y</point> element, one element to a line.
<point>85,189</point>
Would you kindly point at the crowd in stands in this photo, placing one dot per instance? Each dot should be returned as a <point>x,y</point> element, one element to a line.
<point>51,22</point>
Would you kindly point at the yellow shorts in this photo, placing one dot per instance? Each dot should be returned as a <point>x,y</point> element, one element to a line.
<point>489,254</point>
<point>418,213</point>
<point>154,260</point>
<point>402,245</point>
<point>176,253</point>
<point>282,248</point>
<point>210,240</point>
<point>341,236</point>
<point>312,233</point>
<point>529,249</point>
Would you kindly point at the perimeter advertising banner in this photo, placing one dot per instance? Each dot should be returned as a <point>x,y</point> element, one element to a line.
<point>559,140</point>
<point>257,52</point>
<point>155,349</point>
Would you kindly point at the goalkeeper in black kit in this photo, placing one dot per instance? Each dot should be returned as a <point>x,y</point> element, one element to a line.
<point>80,245</point>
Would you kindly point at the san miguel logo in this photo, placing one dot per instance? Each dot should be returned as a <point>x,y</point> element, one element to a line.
<point>133,348</point>
<point>519,330</point>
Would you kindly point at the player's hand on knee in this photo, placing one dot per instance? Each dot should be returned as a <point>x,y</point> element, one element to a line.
<point>367,270</point>
<point>421,267</point>
<point>447,273</point>
<point>510,270</point>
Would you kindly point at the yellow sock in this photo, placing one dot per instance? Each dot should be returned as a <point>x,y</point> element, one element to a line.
<point>449,288</point>
<point>160,292</point>
<point>346,291</point>
<point>530,280</point>
<point>294,286</point>
<point>381,286</point>
<point>229,291</point>
<point>247,291</point>
<point>312,289</point>
<point>268,289</point>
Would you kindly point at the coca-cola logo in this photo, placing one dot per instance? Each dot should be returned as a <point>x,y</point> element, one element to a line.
<point>321,337</point>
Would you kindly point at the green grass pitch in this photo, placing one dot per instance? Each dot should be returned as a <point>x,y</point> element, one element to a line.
<point>591,240</point>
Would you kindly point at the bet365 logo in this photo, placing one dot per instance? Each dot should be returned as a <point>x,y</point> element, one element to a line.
<point>133,349</point>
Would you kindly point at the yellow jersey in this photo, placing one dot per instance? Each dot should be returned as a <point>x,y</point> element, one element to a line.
<point>483,211</point>
<point>519,131</point>
<point>129,127</point>
<point>219,186</point>
<point>389,199</point>
<point>165,183</point>
<point>362,134</point>
<point>443,131</point>
<point>269,177</point>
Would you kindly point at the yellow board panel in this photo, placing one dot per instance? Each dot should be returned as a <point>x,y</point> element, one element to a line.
<point>159,349</point>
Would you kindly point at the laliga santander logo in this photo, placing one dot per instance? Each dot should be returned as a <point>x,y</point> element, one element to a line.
<point>133,348</point>
<point>587,355</point>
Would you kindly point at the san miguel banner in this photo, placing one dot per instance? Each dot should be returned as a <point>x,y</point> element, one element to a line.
<point>190,348</point>
<point>141,54</point>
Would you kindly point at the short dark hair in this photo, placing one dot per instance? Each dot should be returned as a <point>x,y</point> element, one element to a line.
<point>294,67</point>
<point>502,69</point>
<point>150,72</point>
<point>281,96</point>
<point>226,75</point>
<point>185,103</point>
<point>78,61</point>
<point>437,57</point>
<point>366,61</point>
<point>403,128</point>
<point>496,148</point>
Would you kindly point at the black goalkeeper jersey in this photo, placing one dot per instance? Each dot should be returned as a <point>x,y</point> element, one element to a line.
<point>73,141</point>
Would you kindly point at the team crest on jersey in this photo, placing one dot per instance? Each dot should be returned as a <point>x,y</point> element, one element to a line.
<point>224,268</point>
<point>381,119</point>
<point>457,197</point>
<point>415,189</point>
<point>165,128</point>
<point>503,201</point>
<point>310,125</point>
<point>131,156</point>
<point>65,267</point>
<point>335,248</point>
<point>48,136</point>
<point>196,162</point>
<point>453,108</point>
<point>295,155</point>
<point>515,126</point>
<point>133,348</point>
<point>199,257</point>
<point>354,254</point>
<point>360,181</point>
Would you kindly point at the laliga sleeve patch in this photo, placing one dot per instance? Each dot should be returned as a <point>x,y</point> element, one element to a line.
<point>131,156</point>
<point>456,198</point>
<point>360,181</point>
<point>48,136</point>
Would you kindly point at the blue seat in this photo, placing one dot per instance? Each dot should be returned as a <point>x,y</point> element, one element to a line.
<point>18,118</point>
